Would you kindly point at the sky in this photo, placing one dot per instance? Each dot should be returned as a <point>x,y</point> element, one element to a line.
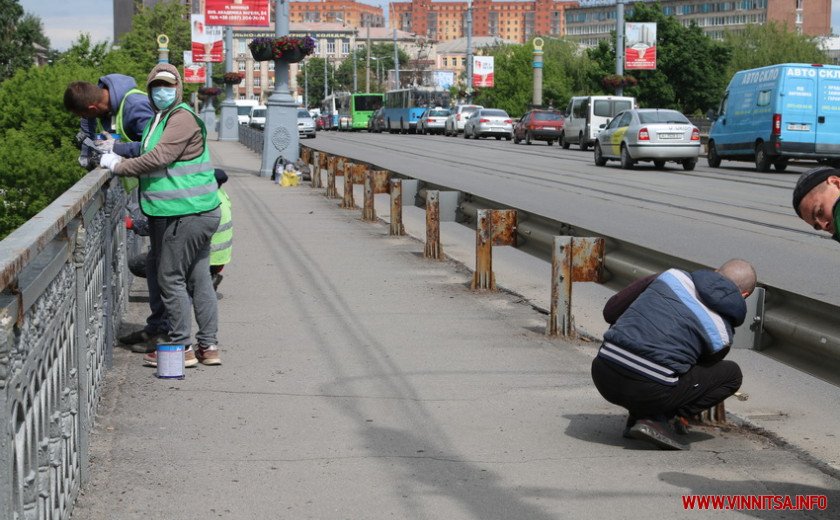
<point>64,20</point>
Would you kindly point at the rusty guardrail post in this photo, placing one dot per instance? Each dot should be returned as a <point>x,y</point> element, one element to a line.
<point>353,174</point>
<point>314,170</point>
<point>493,227</point>
<point>376,181</point>
<point>573,260</point>
<point>434,249</point>
<point>332,192</point>
<point>397,228</point>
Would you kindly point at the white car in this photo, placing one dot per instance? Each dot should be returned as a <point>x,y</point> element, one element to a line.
<point>458,118</point>
<point>489,122</point>
<point>432,121</point>
<point>257,118</point>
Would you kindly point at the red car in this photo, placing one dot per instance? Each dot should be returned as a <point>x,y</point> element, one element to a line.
<point>539,125</point>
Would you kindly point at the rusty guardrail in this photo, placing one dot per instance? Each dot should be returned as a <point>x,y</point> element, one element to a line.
<point>800,331</point>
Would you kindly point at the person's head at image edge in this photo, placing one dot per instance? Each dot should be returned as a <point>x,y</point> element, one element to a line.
<point>815,199</point>
<point>164,87</point>
<point>741,273</point>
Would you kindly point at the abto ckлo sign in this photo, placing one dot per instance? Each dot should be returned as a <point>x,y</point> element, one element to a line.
<point>640,46</point>
<point>245,13</point>
<point>482,71</point>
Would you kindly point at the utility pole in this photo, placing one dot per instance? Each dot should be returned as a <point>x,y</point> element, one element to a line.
<point>229,129</point>
<point>280,137</point>
<point>396,61</point>
<point>538,71</point>
<point>367,45</point>
<point>305,85</point>
<point>326,78</point>
<point>355,82</point>
<point>469,49</point>
<point>619,43</point>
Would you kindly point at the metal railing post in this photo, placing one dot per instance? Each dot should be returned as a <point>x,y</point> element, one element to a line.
<point>434,249</point>
<point>348,201</point>
<point>493,227</point>
<point>397,228</point>
<point>368,211</point>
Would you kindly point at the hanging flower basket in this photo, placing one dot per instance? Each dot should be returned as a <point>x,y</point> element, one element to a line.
<point>290,49</point>
<point>209,91</point>
<point>232,78</point>
<point>614,81</point>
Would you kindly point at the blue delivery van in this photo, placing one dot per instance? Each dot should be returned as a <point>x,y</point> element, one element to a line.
<point>772,114</point>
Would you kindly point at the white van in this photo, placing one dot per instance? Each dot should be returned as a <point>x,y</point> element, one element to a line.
<point>257,117</point>
<point>243,109</point>
<point>585,116</point>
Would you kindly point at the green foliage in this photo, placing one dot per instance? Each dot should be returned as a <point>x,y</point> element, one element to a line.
<point>770,44</point>
<point>38,158</point>
<point>384,52</point>
<point>691,67</point>
<point>139,46</point>
<point>566,72</point>
<point>18,34</point>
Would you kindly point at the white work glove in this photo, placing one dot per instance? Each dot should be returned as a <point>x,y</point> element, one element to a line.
<point>110,160</point>
<point>104,146</point>
<point>83,161</point>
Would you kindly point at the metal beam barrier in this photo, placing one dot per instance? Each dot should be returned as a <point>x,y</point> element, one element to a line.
<point>434,249</point>
<point>376,181</point>
<point>63,288</point>
<point>349,202</point>
<point>574,260</point>
<point>493,227</point>
<point>397,228</point>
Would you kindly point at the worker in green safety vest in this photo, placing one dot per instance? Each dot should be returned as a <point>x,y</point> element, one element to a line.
<point>178,189</point>
<point>221,244</point>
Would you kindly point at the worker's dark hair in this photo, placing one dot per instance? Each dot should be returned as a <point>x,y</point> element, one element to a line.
<point>79,95</point>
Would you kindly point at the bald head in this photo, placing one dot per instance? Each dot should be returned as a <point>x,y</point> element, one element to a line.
<point>741,273</point>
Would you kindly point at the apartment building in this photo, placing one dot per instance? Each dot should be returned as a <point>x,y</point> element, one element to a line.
<point>588,24</point>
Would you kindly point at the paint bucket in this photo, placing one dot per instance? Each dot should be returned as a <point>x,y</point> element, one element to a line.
<point>170,362</point>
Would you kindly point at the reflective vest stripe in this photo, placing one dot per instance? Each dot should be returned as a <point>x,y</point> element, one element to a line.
<point>221,243</point>
<point>180,171</point>
<point>219,247</point>
<point>180,193</point>
<point>225,227</point>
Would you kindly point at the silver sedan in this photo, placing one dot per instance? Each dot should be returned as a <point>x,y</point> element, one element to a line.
<point>489,122</point>
<point>649,134</point>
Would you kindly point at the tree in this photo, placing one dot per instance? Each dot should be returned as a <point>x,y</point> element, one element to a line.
<point>769,44</point>
<point>690,72</point>
<point>566,72</point>
<point>314,71</point>
<point>383,53</point>
<point>19,32</point>
<point>169,18</point>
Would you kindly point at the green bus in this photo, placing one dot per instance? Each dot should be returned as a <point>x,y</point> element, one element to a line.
<point>354,110</point>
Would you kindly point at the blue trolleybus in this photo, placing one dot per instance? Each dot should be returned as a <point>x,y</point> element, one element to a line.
<point>404,107</point>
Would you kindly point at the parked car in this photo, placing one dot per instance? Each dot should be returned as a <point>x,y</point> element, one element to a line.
<point>306,125</point>
<point>376,123</point>
<point>649,134</point>
<point>323,122</point>
<point>539,125</point>
<point>257,117</point>
<point>489,122</point>
<point>458,118</point>
<point>432,121</point>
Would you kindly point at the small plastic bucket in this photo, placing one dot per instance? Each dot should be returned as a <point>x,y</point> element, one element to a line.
<point>170,362</point>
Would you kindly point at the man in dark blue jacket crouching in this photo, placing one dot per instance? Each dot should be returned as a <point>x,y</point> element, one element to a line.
<point>662,356</point>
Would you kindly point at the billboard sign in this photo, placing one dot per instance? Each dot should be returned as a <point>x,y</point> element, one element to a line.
<point>482,71</point>
<point>207,44</point>
<point>248,13</point>
<point>640,46</point>
<point>444,78</point>
<point>193,72</point>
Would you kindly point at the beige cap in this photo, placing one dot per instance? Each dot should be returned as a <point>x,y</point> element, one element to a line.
<point>165,76</point>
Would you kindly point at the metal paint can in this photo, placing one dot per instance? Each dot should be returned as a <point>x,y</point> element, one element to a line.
<point>170,362</point>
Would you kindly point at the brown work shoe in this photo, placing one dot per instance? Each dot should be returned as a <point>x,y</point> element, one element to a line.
<point>208,354</point>
<point>150,359</point>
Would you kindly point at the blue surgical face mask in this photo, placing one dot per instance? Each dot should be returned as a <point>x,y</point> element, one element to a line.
<point>163,97</point>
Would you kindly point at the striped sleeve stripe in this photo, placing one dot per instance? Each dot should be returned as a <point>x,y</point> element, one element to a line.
<point>712,323</point>
<point>638,367</point>
<point>615,349</point>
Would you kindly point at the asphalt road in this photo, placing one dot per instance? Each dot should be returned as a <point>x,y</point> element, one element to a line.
<point>706,216</point>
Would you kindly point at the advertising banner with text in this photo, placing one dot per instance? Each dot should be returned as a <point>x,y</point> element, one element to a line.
<point>237,12</point>
<point>193,72</point>
<point>207,44</point>
<point>482,71</point>
<point>640,46</point>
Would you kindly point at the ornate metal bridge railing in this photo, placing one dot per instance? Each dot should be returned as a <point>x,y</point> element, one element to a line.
<point>63,289</point>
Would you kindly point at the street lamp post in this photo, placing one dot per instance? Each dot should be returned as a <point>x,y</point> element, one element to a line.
<point>280,138</point>
<point>469,49</point>
<point>355,83</point>
<point>619,43</point>
<point>396,61</point>
<point>229,127</point>
<point>305,85</point>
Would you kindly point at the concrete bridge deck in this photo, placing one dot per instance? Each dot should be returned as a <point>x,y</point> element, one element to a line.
<point>362,381</point>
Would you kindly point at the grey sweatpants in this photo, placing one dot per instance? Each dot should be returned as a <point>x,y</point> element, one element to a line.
<point>184,276</point>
